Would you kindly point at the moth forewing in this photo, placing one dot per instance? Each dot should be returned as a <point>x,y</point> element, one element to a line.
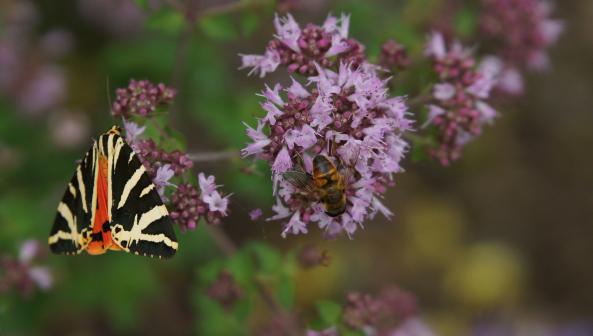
<point>110,192</point>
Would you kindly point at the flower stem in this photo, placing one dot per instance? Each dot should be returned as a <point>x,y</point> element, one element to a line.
<point>214,156</point>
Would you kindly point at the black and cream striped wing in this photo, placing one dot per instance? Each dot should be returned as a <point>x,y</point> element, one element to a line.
<point>140,222</point>
<point>75,210</point>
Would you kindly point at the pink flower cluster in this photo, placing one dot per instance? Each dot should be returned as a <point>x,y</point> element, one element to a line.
<point>36,84</point>
<point>346,116</point>
<point>22,273</point>
<point>393,56</point>
<point>188,204</point>
<point>458,110</point>
<point>392,312</point>
<point>523,30</point>
<point>299,50</point>
<point>141,98</point>
<point>160,165</point>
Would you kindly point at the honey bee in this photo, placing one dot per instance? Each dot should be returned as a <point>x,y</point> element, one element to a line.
<point>327,185</point>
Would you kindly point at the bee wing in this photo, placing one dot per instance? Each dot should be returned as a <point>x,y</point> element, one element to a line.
<point>300,180</point>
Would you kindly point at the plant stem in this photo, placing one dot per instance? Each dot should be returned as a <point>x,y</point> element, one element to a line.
<point>214,156</point>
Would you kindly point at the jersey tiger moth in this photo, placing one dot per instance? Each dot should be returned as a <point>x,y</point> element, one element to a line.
<point>112,204</point>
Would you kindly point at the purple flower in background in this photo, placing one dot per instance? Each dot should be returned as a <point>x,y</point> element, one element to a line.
<point>141,98</point>
<point>392,312</point>
<point>458,110</point>
<point>118,17</point>
<point>255,214</point>
<point>56,43</point>
<point>393,56</point>
<point>225,290</point>
<point>69,129</point>
<point>300,49</point>
<point>46,89</point>
<point>346,116</point>
<point>523,30</point>
<point>23,273</point>
<point>35,84</point>
<point>311,255</point>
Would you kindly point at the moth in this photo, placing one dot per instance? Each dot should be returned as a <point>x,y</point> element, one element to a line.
<point>111,204</point>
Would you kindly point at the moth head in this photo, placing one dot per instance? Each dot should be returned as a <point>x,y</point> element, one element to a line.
<point>114,130</point>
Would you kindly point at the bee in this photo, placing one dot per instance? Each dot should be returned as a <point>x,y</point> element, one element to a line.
<point>327,185</point>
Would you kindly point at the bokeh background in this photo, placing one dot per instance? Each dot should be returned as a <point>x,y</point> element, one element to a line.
<point>499,243</point>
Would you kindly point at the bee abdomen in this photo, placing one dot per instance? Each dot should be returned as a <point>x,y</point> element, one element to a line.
<point>335,210</point>
<point>335,203</point>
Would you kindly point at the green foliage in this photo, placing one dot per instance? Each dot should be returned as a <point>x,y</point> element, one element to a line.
<point>221,27</point>
<point>167,21</point>
<point>253,266</point>
<point>465,22</point>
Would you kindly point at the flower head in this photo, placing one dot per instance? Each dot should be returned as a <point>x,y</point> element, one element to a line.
<point>255,214</point>
<point>163,174</point>
<point>225,290</point>
<point>384,314</point>
<point>300,49</point>
<point>154,157</point>
<point>141,98</point>
<point>458,110</point>
<point>345,116</point>
<point>23,273</point>
<point>393,56</point>
<point>522,30</point>
<point>189,204</point>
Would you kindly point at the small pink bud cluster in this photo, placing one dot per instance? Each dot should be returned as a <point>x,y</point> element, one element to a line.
<point>523,30</point>
<point>153,157</point>
<point>299,50</point>
<point>188,204</point>
<point>141,98</point>
<point>225,290</point>
<point>383,314</point>
<point>458,111</point>
<point>393,56</point>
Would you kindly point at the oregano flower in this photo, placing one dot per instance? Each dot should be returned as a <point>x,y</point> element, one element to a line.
<point>300,50</point>
<point>347,116</point>
<point>458,110</point>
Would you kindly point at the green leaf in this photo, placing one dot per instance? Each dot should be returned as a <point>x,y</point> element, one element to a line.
<point>465,22</point>
<point>142,4</point>
<point>269,260</point>
<point>166,20</point>
<point>249,23</point>
<point>329,312</point>
<point>286,292</point>
<point>219,27</point>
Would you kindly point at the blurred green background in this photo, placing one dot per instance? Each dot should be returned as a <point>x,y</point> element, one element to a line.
<point>504,236</point>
